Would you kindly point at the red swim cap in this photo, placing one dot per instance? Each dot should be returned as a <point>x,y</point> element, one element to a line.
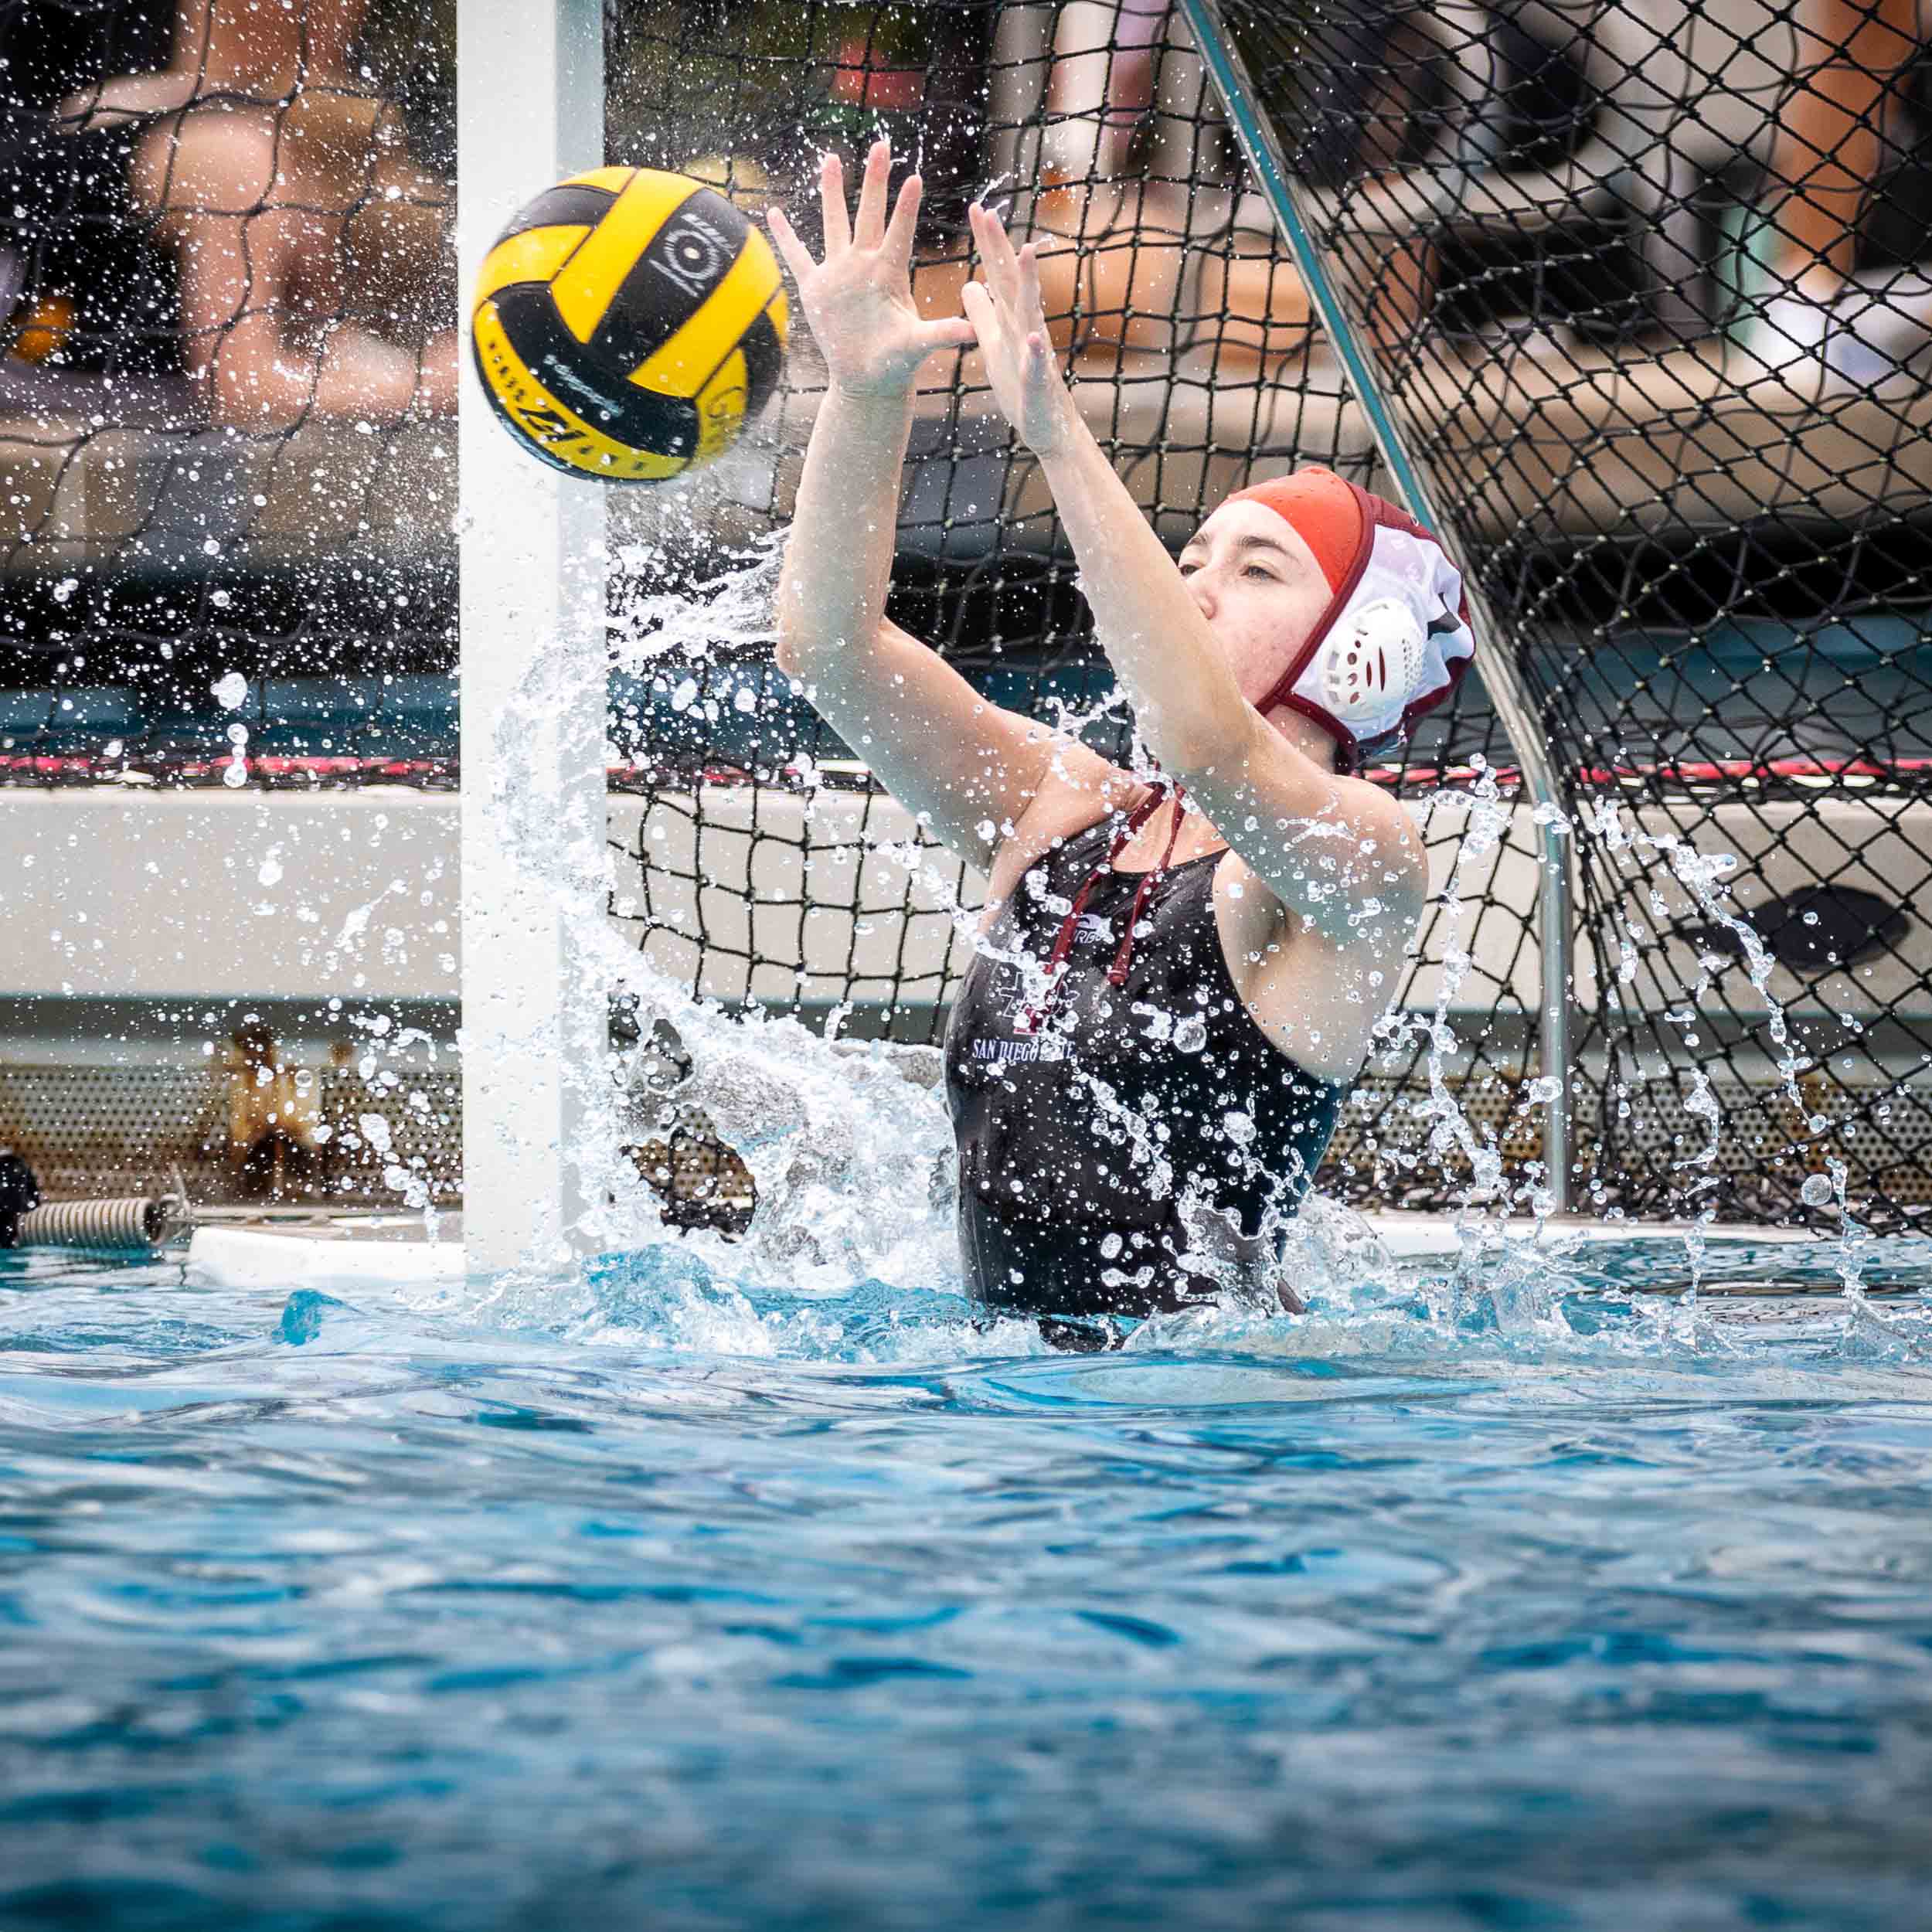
<point>1322,508</point>
<point>1392,642</point>
<point>1395,636</point>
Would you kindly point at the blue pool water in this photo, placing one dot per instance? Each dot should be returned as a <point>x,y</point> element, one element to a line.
<point>1533,1601</point>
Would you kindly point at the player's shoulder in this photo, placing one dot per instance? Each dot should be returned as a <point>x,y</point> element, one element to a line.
<point>1387,822</point>
<point>1079,788</point>
<point>1372,850</point>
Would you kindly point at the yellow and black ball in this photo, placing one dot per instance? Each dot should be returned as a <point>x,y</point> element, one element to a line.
<point>628,324</point>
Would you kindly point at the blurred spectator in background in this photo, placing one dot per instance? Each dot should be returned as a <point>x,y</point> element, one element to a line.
<point>1830,150</point>
<point>275,1129</point>
<point>1101,85</point>
<point>315,255</point>
<point>1121,68</point>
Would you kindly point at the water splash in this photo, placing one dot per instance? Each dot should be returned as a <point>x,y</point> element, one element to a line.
<point>852,1152</point>
<point>1702,875</point>
<point>733,609</point>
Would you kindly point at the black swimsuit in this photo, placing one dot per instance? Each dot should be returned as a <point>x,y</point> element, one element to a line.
<point>1083,1128</point>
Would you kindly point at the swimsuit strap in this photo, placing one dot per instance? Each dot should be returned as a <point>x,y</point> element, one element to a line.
<point>1030,1020</point>
<point>1116,973</point>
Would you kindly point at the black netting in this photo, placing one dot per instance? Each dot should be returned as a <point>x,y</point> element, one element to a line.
<point>1640,287</point>
<point>227,376</point>
<point>1644,288</point>
<point>1661,353</point>
<point>747,854</point>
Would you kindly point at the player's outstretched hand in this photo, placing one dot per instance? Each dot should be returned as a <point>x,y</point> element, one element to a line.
<point>859,299</point>
<point>1010,321</point>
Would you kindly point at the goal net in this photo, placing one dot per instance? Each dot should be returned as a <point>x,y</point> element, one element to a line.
<point>227,367</point>
<point>1634,291</point>
<point>227,588</point>
<point>1641,287</point>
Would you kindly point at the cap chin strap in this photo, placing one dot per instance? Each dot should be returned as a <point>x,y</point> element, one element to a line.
<point>1361,668</point>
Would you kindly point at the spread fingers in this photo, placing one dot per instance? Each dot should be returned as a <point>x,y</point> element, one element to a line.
<point>789,247</point>
<point>831,203</point>
<point>869,229</point>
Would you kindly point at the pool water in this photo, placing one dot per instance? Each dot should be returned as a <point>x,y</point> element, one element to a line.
<point>1531,1598</point>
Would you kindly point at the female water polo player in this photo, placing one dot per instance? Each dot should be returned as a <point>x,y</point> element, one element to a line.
<point>1179,973</point>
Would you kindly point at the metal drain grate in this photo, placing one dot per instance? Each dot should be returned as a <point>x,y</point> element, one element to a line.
<point>96,1130</point>
<point>1882,1133</point>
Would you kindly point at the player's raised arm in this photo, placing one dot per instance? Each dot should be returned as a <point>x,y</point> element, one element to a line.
<point>968,767</point>
<point>1270,797</point>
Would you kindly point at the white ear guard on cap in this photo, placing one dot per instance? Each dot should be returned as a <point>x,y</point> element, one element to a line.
<point>1396,647</point>
<point>1362,666</point>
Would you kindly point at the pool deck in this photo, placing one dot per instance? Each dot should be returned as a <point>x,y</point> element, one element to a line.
<point>298,1247</point>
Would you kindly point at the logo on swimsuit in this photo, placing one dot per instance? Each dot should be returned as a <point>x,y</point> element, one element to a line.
<point>1093,930</point>
<point>1037,1047</point>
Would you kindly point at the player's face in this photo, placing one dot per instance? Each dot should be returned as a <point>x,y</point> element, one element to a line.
<point>1259,586</point>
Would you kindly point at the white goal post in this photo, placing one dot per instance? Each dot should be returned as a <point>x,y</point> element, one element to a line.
<point>530,110</point>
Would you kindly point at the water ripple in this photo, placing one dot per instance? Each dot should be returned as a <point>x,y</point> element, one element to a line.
<point>648,1597</point>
